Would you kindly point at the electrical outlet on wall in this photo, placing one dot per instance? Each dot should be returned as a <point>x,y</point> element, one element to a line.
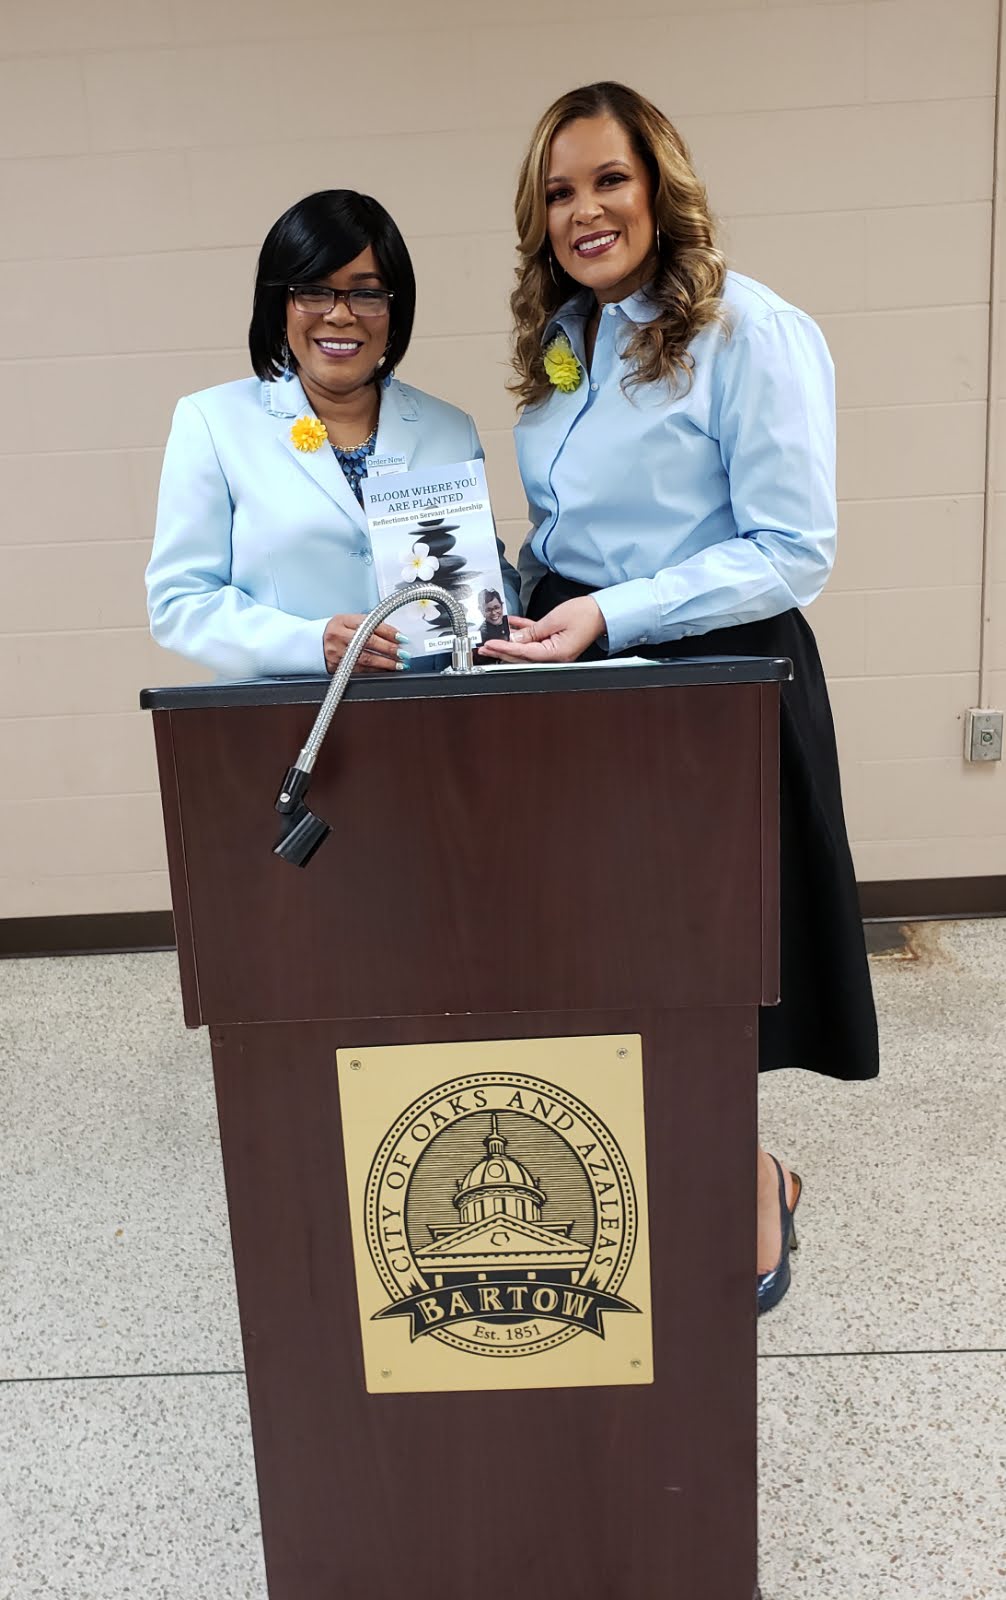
<point>983,736</point>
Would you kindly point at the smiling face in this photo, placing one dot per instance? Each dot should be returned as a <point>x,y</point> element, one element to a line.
<point>494,611</point>
<point>599,195</point>
<point>338,352</point>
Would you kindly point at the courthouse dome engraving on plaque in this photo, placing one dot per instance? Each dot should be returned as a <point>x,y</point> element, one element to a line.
<point>501,1217</point>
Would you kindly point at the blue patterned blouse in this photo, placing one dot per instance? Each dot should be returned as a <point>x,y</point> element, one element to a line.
<point>354,463</point>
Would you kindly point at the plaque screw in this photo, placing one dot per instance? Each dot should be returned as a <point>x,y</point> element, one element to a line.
<point>635,1363</point>
<point>622,1054</point>
<point>385,1372</point>
<point>355,1066</point>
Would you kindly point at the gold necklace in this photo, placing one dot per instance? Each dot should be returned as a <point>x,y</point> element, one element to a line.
<point>348,448</point>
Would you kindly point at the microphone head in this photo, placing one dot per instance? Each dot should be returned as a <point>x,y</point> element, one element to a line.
<point>303,833</point>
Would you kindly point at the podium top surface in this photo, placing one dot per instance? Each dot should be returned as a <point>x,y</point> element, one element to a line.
<point>576,676</point>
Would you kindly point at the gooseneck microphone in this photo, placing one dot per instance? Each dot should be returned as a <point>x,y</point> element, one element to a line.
<point>303,833</point>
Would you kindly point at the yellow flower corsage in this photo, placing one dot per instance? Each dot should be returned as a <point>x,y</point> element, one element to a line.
<point>561,366</point>
<point>308,433</point>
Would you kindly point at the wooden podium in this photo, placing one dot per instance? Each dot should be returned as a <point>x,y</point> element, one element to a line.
<point>532,855</point>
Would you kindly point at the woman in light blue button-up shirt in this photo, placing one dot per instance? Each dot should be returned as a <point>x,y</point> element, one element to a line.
<point>677,446</point>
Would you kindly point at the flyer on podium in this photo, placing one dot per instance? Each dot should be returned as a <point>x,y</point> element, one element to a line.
<point>436,526</point>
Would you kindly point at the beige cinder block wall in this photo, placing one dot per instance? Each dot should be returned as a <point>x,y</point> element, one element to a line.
<point>145,147</point>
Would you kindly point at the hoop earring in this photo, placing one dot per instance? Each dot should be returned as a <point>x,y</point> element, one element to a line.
<point>658,238</point>
<point>551,268</point>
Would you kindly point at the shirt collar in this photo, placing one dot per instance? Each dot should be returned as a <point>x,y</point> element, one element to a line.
<point>639,307</point>
<point>573,313</point>
<point>569,318</point>
<point>285,397</point>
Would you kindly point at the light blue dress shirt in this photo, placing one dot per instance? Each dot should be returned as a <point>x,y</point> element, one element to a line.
<point>695,508</point>
<point>259,544</point>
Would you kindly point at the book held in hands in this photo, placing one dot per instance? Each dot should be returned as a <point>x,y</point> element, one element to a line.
<point>436,526</point>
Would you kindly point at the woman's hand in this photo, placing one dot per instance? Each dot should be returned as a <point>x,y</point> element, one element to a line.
<point>382,646</point>
<point>563,635</point>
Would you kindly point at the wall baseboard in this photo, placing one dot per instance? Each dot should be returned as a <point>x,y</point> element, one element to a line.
<point>100,934</point>
<point>118,932</point>
<point>932,899</point>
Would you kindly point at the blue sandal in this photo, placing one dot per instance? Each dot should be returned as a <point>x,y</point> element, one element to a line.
<point>773,1285</point>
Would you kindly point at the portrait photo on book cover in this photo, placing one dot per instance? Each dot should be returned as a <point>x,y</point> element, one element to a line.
<point>492,610</point>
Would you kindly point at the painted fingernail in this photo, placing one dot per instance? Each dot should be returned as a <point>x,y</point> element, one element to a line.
<point>400,666</point>
<point>402,638</point>
<point>404,655</point>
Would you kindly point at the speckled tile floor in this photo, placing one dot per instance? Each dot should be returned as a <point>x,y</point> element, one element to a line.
<point>126,1469</point>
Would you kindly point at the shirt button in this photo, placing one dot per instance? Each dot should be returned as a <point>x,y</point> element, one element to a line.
<point>367,558</point>
<point>595,387</point>
<point>612,310</point>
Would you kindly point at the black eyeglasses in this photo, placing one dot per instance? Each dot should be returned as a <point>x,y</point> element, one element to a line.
<point>316,300</point>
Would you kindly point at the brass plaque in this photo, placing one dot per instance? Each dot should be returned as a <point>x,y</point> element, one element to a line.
<point>498,1201</point>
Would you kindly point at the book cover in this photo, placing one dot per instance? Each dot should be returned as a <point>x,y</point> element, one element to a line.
<point>436,526</point>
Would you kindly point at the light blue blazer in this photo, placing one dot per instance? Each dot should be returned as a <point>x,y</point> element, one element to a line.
<point>259,544</point>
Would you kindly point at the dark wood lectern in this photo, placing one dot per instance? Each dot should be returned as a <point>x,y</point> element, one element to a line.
<point>513,855</point>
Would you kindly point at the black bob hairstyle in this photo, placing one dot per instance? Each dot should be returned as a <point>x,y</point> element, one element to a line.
<point>316,237</point>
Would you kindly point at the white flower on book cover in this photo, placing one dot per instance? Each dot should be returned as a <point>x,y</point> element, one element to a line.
<point>419,566</point>
<point>436,562</point>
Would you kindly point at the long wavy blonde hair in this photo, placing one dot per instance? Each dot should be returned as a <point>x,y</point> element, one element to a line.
<point>689,279</point>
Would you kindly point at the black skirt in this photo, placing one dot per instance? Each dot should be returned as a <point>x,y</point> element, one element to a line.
<point>826,1021</point>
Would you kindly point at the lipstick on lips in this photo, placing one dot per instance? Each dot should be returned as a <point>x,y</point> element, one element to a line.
<point>590,245</point>
<point>339,349</point>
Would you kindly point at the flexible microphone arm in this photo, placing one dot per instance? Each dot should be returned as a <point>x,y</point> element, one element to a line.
<point>303,832</point>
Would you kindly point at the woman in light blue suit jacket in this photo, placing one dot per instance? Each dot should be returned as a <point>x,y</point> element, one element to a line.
<point>261,562</point>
